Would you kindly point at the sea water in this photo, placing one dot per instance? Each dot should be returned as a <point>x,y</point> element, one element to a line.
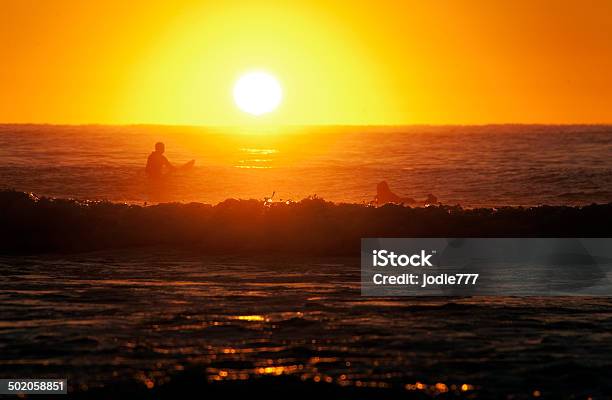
<point>147,315</point>
<point>471,166</point>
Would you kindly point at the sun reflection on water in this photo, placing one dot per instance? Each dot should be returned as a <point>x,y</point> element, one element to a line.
<point>255,158</point>
<point>250,318</point>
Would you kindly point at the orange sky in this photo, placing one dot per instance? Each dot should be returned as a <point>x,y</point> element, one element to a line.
<point>339,62</point>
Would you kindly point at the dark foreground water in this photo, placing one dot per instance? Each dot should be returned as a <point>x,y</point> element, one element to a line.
<point>148,317</point>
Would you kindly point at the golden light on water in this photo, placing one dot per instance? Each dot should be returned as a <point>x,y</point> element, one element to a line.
<point>311,370</point>
<point>251,318</point>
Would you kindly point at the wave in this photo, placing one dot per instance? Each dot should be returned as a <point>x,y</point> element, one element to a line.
<point>31,224</point>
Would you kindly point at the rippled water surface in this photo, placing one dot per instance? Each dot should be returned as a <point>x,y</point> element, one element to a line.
<point>490,165</point>
<point>148,315</point>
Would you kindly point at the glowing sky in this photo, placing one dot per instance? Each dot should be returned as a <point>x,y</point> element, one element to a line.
<point>339,62</point>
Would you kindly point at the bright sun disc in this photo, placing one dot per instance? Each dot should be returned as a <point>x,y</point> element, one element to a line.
<point>257,93</point>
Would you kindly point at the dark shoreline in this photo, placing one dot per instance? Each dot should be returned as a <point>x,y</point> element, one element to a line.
<point>313,226</point>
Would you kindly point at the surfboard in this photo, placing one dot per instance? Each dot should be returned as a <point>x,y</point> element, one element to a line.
<point>186,167</point>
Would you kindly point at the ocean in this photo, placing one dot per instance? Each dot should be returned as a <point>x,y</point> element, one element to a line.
<point>166,307</point>
<point>156,318</point>
<point>467,165</point>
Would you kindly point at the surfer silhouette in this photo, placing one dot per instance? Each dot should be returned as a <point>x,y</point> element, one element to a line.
<point>157,162</point>
<point>384,195</point>
<point>161,185</point>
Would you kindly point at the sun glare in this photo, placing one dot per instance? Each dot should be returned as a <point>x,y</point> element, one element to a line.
<point>257,93</point>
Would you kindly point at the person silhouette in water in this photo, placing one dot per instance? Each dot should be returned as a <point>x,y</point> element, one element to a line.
<point>157,162</point>
<point>384,195</point>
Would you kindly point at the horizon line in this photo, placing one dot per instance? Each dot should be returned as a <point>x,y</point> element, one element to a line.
<point>276,126</point>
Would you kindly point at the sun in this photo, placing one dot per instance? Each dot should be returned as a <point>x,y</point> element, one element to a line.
<point>257,93</point>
